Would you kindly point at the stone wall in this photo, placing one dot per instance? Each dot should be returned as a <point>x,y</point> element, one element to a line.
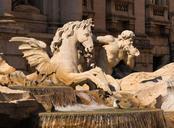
<point>10,50</point>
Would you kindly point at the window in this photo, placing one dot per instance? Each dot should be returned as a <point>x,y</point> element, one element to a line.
<point>159,2</point>
<point>162,29</point>
<point>121,6</point>
<point>125,25</point>
<point>157,62</point>
<point>84,2</point>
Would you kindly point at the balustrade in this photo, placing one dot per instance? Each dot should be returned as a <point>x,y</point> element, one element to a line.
<point>158,11</point>
<point>122,6</point>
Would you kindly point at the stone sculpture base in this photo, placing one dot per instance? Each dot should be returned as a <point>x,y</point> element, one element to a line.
<point>107,118</point>
<point>16,115</point>
<point>169,116</point>
<point>54,96</point>
<point>51,96</point>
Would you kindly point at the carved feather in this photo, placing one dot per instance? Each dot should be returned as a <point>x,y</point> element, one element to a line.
<point>34,52</point>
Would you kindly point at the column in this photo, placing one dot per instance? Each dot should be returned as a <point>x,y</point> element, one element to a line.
<point>51,8</point>
<point>99,16</point>
<point>71,10</point>
<point>140,16</point>
<point>5,6</point>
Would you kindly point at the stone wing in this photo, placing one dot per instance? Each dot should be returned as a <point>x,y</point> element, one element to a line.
<point>34,52</point>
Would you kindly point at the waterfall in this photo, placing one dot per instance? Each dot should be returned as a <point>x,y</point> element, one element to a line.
<point>106,118</point>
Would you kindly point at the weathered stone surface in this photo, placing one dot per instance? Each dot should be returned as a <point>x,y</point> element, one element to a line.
<point>106,118</point>
<point>169,117</point>
<point>142,97</point>
<point>148,89</point>
<point>91,97</point>
<point>51,97</point>
<point>9,95</point>
<point>15,106</point>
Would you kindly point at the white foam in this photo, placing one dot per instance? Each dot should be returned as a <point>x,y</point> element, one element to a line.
<point>81,107</point>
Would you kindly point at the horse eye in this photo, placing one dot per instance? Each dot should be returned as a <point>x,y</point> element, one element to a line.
<point>86,34</point>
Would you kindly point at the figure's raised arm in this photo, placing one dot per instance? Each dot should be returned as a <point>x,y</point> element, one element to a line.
<point>105,39</point>
<point>34,52</point>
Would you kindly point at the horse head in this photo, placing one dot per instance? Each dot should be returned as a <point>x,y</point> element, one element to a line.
<point>85,36</point>
<point>81,30</point>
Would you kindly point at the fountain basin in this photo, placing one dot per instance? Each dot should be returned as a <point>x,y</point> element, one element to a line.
<point>169,116</point>
<point>51,96</point>
<point>104,118</point>
<point>96,116</point>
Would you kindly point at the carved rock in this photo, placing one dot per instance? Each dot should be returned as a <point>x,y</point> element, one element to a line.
<point>51,97</point>
<point>15,106</point>
<point>148,89</point>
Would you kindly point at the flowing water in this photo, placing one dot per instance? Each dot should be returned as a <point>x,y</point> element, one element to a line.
<point>52,96</point>
<point>103,118</point>
<point>71,114</point>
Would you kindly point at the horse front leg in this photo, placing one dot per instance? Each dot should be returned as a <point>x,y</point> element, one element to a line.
<point>94,75</point>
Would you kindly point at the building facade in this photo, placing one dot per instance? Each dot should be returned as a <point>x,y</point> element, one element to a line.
<point>151,20</point>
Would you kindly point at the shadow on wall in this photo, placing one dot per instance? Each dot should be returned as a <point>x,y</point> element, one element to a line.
<point>121,70</point>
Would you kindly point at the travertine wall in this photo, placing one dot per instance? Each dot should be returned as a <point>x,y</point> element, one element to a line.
<point>99,17</point>
<point>140,16</point>
<point>71,10</point>
<point>5,6</point>
<point>11,53</point>
<point>10,50</point>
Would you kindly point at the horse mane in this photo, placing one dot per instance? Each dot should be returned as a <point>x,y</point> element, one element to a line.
<point>68,30</point>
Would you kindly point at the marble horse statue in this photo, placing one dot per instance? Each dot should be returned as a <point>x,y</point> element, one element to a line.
<point>63,65</point>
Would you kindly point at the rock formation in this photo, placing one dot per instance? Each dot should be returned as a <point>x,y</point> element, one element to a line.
<point>148,89</point>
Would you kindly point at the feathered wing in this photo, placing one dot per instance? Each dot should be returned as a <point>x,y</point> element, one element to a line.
<point>34,52</point>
